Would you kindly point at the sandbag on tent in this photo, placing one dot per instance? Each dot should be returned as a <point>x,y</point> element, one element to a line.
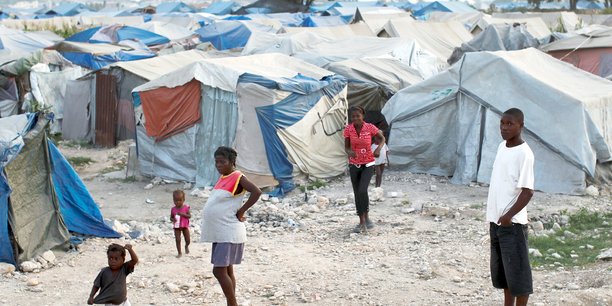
<point>498,37</point>
<point>449,125</point>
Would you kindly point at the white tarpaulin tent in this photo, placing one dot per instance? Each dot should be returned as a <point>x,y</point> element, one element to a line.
<point>437,38</point>
<point>237,95</point>
<point>166,29</point>
<point>337,32</point>
<point>449,125</point>
<point>534,25</point>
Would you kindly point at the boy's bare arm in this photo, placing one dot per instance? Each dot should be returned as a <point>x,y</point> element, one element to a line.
<point>133,257</point>
<point>522,201</point>
<point>94,289</point>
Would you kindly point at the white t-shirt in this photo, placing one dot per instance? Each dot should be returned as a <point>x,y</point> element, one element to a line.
<point>382,158</point>
<point>512,171</point>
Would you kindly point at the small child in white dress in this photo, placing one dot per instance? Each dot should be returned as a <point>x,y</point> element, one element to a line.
<point>380,150</point>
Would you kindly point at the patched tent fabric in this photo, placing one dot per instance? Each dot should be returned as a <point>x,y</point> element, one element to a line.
<point>497,38</point>
<point>229,116</point>
<point>449,125</point>
<point>534,25</point>
<point>9,98</point>
<point>229,34</point>
<point>169,111</point>
<point>116,34</point>
<point>15,44</point>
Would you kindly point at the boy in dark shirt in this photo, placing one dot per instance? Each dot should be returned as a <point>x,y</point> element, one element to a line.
<point>111,281</point>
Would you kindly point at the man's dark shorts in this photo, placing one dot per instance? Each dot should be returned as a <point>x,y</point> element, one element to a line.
<point>510,259</point>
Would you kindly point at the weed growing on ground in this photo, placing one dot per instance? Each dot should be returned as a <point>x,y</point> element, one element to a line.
<point>78,161</point>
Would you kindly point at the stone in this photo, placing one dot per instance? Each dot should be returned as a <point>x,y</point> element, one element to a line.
<point>408,210</point>
<point>457,279</point>
<point>6,268</point>
<point>556,255</point>
<point>569,235</point>
<point>377,194</point>
<point>592,191</point>
<point>437,211</point>
<point>572,286</point>
<point>312,209</point>
<point>49,256</point>
<point>33,282</point>
<point>605,255</point>
<point>322,202</point>
<point>187,186</point>
<point>274,200</point>
<point>173,288</point>
<point>590,247</point>
<point>433,188</point>
<point>141,284</point>
<point>556,227</point>
<point>29,266</point>
<point>564,220</point>
<point>119,227</point>
<point>265,197</point>
<point>559,286</point>
<point>199,193</point>
<point>341,201</point>
<point>535,253</point>
<point>537,226</point>
<point>149,186</point>
<point>395,194</point>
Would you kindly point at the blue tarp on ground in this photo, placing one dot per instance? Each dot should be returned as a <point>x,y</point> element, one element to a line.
<point>305,94</point>
<point>120,33</point>
<point>221,8</point>
<point>95,62</point>
<point>225,34</point>
<point>323,21</point>
<point>80,212</point>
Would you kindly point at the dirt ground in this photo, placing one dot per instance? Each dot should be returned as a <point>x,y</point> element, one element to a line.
<point>411,258</point>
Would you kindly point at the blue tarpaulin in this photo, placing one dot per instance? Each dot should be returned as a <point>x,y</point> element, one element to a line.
<point>95,62</point>
<point>6,250</point>
<point>443,6</point>
<point>225,34</point>
<point>119,33</point>
<point>80,212</point>
<point>323,21</point>
<point>305,94</point>
<point>221,8</point>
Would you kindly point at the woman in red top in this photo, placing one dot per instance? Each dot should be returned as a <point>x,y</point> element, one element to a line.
<point>358,145</point>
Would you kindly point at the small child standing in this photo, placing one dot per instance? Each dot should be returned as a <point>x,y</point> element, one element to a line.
<point>180,215</point>
<point>380,151</point>
<point>111,281</point>
<point>223,217</point>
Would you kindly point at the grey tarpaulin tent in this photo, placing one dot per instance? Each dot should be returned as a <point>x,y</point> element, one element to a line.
<point>449,124</point>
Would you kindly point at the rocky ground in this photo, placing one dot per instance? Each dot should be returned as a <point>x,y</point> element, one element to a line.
<point>429,247</point>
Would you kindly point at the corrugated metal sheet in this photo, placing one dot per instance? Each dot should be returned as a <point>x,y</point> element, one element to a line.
<point>106,110</point>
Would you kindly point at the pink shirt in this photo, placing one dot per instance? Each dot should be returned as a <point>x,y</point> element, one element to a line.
<point>183,210</point>
<point>362,143</point>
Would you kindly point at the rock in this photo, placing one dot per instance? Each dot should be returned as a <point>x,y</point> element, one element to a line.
<point>569,235</point>
<point>433,188</point>
<point>49,256</point>
<point>265,197</point>
<point>592,191</point>
<point>556,255</point>
<point>119,227</point>
<point>135,234</point>
<point>312,209</point>
<point>32,282</point>
<point>605,255</point>
<point>187,186</point>
<point>141,284</point>
<point>149,201</point>
<point>590,247</point>
<point>564,220</point>
<point>437,211</point>
<point>535,253</point>
<point>559,286</point>
<point>322,202</point>
<point>408,210</point>
<point>377,194</point>
<point>171,287</point>
<point>6,268</point>
<point>341,201</point>
<point>537,226</point>
<point>274,200</point>
<point>29,266</point>
<point>457,279</point>
<point>572,286</point>
<point>394,194</point>
<point>148,186</point>
<point>199,193</point>
<point>556,227</point>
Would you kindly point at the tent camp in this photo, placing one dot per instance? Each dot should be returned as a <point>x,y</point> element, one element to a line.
<point>41,197</point>
<point>555,21</point>
<point>449,125</point>
<point>230,34</point>
<point>98,55</point>
<point>323,21</point>
<point>337,32</point>
<point>443,6</point>
<point>278,112</point>
<point>116,33</point>
<point>166,29</point>
<point>376,17</point>
<point>15,44</point>
<point>499,37</point>
<point>590,51</point>
<point>222,7</point>
<point>439,39</point>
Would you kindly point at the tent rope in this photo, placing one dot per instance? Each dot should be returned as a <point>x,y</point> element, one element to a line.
<point>578,47</point>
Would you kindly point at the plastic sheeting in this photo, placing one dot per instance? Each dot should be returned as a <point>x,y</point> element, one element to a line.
<point>95,62</point>
<point>169,111</point>
<point>77,123</point>
<point>323,21</point>
<point>451,125</point>
<point>80,212</point>
<point>173,158</point>
<point>34,215</point>
<point>116,33</point>
<point>220,110</point>
<point>166,29</point>
<point>8,98</point>
<point>229,34</point>
<point>15,44</point>
<point>497,38</point>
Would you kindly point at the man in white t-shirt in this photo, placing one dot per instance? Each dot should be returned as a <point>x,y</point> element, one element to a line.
<point>511,188</point>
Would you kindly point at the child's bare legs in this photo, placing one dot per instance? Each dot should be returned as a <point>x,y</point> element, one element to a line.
<point>521,300</point>
<point>177,239</point>
<point>227,284</point>
<point>379,174</point>
<point>187,240</point>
